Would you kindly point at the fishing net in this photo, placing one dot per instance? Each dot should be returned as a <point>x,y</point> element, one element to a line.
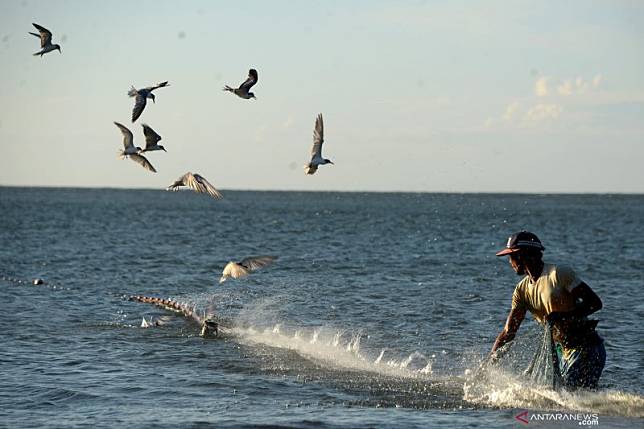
<point>544,367</point>
<point>531,358</point>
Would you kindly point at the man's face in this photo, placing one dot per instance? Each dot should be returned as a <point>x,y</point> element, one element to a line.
<point>516,264</point>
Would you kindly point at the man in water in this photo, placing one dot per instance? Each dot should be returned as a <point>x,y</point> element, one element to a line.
<point>557,297</point>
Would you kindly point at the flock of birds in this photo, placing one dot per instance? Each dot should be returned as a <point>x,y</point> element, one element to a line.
<point>193,181</point>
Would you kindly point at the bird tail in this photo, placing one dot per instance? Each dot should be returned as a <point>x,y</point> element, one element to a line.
<point>38,53</point>
<point>222,279</point>
<point>132,92</point>
<point>121,154</point>
<point>35,34</point>
<point>227,88</point>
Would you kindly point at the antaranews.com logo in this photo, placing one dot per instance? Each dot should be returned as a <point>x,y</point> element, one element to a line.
<point>582,419</point>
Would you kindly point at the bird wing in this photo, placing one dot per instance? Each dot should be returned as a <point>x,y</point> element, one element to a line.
<point>200,184</point>
<point>139,105</point>
<point>45,35</point>
<point>143,161</point>
<point>151,137</point>
<point>159,85</point>
<point>250,81</point>
<point>128,139</point>
<point>181,181</point>
<point>234,270</point>
<point>318,137</point>
<point>253,263</point>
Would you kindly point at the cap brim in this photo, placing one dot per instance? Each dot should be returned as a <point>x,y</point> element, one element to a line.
<point>506,252</point>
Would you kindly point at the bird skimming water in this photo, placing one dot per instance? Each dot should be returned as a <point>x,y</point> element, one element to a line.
<point>197,183</point>
<point>131,151</point>
<point>316,152</point>
<point>45,40</point>
<point>244,89</point>
<point>244,267</point>
<point>142,96</point>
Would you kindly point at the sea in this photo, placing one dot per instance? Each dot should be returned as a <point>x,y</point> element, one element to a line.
<point>377,312</point>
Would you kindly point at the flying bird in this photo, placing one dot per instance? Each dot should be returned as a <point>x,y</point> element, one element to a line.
<point>131,151</point>
<point>244,267</point>
<point>45,40</point>
<point>142,96</point>
<point>244,89</point>
<point>151,140</point>
<point>316,152</point>
<point>197,183</point>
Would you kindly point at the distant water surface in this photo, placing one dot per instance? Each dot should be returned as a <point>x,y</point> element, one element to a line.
<point>377,308</point>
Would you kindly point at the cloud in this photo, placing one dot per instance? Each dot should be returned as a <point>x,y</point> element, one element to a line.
<point>541,87</point>
<point>515,115</point>
<point>510,111</point>
<point>543,112</point>
<point>532,112</point>
<point>565,89</point>
<point>597,80</point>
<point>578,85</point>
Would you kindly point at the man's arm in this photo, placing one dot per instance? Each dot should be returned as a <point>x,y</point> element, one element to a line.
<point>511,327</point>
<point>587,303</point>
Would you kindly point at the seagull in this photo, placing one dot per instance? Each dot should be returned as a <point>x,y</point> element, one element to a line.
<point>197,183</point>
<point>151,140</point>
<point>316,152</point>
<point>244,88</point>
<point>244,267</point>
<point>45,40</point>
<point>132,151</point>
<point>142,96</point>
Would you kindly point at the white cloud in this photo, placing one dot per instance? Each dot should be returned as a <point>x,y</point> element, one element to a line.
<point>565,88</point>
<point>543,112</point>
<point>540,113</point>
<point>578,86</point>
<point>510,111</point>
<point>541,87</point>
<point>597,80</point>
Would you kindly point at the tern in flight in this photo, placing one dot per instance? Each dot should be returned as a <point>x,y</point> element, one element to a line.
<point>197,183</point>
<point>244,267</point>
<point>45,40</point>
<point>316,152</point>
<point>244,89</point>
<point>132,151</point>
<point>142,96</point>
<point>151,140</point>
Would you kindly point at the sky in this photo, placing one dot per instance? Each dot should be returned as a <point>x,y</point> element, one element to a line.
<point>417,96</point>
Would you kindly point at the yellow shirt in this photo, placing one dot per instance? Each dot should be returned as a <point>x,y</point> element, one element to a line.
<point>551,292</point>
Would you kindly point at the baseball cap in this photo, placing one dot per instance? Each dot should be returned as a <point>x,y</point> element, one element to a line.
<point>521,240</point>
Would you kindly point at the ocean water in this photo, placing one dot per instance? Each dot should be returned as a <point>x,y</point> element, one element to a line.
<point>377,311</point>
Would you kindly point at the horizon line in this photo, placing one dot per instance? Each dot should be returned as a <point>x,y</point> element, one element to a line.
<point>358,191</point>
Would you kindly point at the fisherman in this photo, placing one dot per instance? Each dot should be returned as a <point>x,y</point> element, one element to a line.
<point>557,297</point>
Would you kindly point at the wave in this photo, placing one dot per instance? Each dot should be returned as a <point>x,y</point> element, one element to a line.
<point>340,351</point>
<point>337,349</point>
<point>503,389</point>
